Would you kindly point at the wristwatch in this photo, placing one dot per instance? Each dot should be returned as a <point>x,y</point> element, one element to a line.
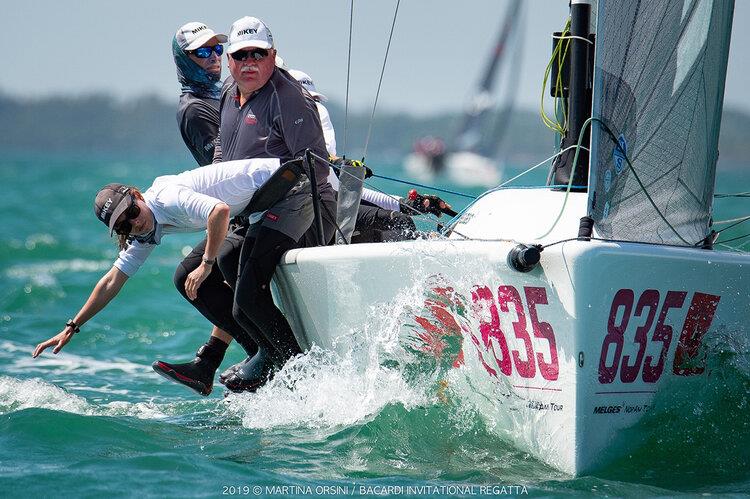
<point>209,261</point>
<point>75,327</point>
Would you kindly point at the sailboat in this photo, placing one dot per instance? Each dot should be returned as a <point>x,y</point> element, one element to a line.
<point>472,158</point>
<point>565,315</point>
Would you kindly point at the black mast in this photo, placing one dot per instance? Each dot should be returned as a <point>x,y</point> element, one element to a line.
<point>579,99</point>
<point>469,135</point>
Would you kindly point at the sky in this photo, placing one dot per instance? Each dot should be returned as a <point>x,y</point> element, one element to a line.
<point>437,52</point>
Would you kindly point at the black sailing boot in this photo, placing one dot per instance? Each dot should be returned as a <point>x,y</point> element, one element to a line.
<point>199,373</point>
<point>253,373</point>
<point>232,369</point>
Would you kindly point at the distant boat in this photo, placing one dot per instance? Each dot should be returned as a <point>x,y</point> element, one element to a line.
<point>472,157</point>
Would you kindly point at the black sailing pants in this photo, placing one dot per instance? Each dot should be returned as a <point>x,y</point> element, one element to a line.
<point>215,296</point>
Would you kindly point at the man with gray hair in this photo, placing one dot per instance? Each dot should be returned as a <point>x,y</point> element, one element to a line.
<point>265,113</point>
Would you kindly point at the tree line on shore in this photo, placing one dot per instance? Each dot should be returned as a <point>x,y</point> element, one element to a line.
<point>98,123</point>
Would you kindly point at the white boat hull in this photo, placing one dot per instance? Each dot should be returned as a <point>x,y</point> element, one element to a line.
<point>560,360</point>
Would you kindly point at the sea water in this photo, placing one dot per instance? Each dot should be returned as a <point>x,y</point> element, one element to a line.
<point>95,420</point>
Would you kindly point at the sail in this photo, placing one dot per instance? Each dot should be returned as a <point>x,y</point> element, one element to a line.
<point>659,77</point>
<point>473,129</point>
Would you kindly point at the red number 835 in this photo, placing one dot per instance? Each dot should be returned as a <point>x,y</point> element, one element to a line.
<point>687,359</point>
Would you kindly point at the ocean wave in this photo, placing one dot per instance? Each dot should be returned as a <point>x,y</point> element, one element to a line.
<point>43,274</point>
<point>19,394</point>
<point>322,390</point>
<point>16,395</point>
<point>66,363</point>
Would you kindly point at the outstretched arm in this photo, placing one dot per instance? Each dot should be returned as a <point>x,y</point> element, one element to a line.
<point>106,289</point>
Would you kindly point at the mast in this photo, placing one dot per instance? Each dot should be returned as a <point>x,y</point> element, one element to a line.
<point>579,100</point>
<point>470,133</point>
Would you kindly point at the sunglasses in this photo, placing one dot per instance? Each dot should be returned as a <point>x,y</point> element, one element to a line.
<point>123,228</point>
<point>205,52</point>
<point>254,54</point>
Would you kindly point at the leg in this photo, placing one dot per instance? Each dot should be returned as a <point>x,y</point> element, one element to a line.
<point>214,302</point>
<point>254,309</point>
<point>376,224</point>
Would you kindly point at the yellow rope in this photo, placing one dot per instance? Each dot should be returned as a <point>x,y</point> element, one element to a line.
<point>560,52</point>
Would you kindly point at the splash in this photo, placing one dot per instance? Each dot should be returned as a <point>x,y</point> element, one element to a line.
<point>400,355</point>
<point>16,395</point>
<point>323,390</point>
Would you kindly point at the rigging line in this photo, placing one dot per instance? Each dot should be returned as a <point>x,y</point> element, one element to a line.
<point>348,73</point>
<point>419,214</point>
<point>586,124</point>
<point>537,166</point>
<point>620,241</point>
<point>506,182</point>
<point>737,221</point>
<point>569,37</point>
<point>721,222</point>
<point>730,248</point>
<point>407,182</point>
<point>635,175</point>
<point>380,82</point>
<point>415,184</point>
<point>732,195</point>
<point>560,53</point>
<point>732,239</point>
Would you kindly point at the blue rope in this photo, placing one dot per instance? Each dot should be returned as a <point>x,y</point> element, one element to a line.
<point>424,186</point>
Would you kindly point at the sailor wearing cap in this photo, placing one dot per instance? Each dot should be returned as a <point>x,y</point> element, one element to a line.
<point>195,200</point>
<point>197,51</point>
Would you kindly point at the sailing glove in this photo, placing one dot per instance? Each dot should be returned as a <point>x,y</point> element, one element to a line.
<point>339,162</point>
<point>426,203</point>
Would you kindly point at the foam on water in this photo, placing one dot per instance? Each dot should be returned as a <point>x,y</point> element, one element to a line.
<point>35,393</point>
<point>322,390</point>
<point>386,361</point>
<point>16,395</point>
<point>66,363</point>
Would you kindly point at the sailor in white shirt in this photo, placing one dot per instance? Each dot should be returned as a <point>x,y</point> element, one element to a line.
<point>201,199</point>
<point>184,202</point>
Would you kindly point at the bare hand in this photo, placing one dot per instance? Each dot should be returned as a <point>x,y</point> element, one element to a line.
<point>59,340</point>
<point>195,279</point>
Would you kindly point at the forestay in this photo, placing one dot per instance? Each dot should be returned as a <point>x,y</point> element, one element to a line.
<point>659,86</point>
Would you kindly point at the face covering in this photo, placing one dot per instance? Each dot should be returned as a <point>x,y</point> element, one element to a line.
<point>194,79</point>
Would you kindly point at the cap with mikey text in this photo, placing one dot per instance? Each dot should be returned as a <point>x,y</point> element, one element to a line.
<point>307,83</point>
<point>111,202</point>
<point>249,32</point>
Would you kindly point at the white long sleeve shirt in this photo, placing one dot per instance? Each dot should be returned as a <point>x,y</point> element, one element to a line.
<point>183,202</point>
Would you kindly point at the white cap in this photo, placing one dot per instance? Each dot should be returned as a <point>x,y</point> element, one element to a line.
<point>307,82</point>
<point>249,32</point>
<point>280,62</point>
<point>194,35</point>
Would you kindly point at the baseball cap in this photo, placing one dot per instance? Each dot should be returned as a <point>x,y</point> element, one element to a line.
<point>307,82</point>
<point>249,32</point>
<point>193,35</point>
<point>280,62</point>
<point>111,201</point>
